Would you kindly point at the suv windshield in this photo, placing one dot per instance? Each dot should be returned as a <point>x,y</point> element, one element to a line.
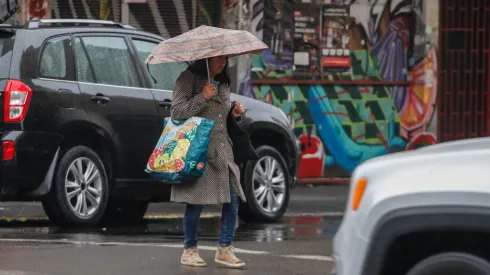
<point>6,46</point>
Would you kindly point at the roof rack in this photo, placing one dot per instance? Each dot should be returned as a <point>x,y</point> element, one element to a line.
<point>34,24</point>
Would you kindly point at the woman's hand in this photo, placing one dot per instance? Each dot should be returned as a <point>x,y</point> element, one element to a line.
<point>238,110</point>
<point>208,91</point>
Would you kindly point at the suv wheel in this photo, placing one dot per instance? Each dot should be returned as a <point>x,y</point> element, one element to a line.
<point>451,264</point>
<point>80,188</point>
<point>266,187</point>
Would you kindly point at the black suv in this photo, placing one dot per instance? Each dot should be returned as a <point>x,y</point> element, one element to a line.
<point>80,115</point>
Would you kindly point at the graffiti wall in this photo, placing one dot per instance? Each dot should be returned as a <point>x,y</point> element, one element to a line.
<point>237,14</point>
<point>37,9</point>
<point>357,78</point>
<point>8,8</point>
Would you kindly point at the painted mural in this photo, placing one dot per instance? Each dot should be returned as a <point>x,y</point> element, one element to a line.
<point>38,9</point>
<point>392,50</point>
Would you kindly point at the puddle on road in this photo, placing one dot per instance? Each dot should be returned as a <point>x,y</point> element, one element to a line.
<point>290,228</point>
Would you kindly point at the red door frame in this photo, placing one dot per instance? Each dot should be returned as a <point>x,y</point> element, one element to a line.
<point>464,69</point>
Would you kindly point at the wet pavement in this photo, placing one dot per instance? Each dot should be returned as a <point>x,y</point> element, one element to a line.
<point>299,244</point>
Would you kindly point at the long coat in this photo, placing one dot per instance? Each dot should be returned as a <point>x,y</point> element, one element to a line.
<point>221,171</point>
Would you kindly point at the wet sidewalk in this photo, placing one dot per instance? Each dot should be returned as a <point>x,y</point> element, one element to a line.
<point>299,244</point>
<point>305,201</point>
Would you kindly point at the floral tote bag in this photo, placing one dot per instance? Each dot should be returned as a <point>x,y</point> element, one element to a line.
<point>181,151</point>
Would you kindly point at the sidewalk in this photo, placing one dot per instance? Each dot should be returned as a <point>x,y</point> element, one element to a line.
<point>323,181</point>
<point>305,200</point>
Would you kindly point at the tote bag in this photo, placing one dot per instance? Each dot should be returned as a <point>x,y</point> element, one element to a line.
<point>181,152</point>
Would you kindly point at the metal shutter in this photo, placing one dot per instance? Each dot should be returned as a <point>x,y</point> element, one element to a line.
<point>167,18</point>
<point>84,9</point>
<point>210,12</point>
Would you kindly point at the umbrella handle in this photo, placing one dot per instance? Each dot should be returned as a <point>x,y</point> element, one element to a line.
<point>209,79</point>
<point>207,67</point>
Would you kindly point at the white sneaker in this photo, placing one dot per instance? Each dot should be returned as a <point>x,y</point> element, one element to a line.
<point>226,257</point>
<point>190,257</point>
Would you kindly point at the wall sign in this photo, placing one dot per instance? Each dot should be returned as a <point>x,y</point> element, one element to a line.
<point>335,40</point>
<point>306,39</point>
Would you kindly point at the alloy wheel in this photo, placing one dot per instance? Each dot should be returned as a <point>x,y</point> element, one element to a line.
<point>269,184</point>
<point>83,187</point>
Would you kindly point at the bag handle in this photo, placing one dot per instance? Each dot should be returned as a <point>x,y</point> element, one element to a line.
<point>178,122</point>
<point>194,92</point>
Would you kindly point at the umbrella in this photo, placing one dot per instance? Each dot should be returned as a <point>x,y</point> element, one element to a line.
<point>205,42</point>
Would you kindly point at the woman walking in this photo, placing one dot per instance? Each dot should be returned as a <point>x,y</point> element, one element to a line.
<point>194,95</point>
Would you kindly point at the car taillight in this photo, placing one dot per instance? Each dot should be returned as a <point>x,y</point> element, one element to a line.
<point>16,101</point>
<point>8,150</point>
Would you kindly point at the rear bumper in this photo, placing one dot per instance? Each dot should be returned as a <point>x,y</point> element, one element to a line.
<point>34,154</point>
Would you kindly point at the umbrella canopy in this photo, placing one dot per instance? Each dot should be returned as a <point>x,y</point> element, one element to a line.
<point>204,42</point>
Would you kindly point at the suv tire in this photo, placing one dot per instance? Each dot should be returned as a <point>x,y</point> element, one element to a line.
<point>80,190</point>
<point>125,212</point>
<point>261,189</point>
<point>453,263</point>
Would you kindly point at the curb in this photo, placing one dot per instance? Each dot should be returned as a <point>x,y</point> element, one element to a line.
<point>12,220</point>
<point>323,181</point>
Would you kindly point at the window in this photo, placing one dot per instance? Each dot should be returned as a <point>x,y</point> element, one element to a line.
<point>53,58</point>
<point>166,73</point>
<point>84,72</point>
<point>111,61</point>
<point>6,47</point>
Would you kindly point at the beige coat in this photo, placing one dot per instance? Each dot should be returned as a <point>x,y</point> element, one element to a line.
<point>214,186</point>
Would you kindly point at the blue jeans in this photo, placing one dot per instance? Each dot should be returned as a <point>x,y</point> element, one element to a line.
<point>229,216</point>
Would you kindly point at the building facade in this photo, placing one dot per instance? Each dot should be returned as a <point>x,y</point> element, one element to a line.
<point>165,17</point>
<point>357,78</point>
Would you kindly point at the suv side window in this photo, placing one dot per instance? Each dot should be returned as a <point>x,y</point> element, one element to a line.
<point>53,61</point>
<point>84,71</point>
<point>110,59</point>
<point>166,73</point>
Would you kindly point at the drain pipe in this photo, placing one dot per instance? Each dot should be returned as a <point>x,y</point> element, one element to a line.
<point>240,15</point>
<point>198,13</point>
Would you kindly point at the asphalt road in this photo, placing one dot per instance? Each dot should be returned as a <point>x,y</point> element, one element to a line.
<point>299,244</point>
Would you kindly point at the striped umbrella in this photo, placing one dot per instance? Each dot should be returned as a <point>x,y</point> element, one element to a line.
<point>204,42</point>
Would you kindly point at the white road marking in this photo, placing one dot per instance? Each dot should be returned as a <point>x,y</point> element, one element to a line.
<point>18,272</point>
<point>315,214</point>
<point>310,257</point>
<point>163,245</point>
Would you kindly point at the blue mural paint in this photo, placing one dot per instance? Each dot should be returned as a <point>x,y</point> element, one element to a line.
<point>347,152</point>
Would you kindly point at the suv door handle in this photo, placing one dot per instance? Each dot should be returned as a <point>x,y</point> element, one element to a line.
<point>101,99</point>
<point>165,104</point>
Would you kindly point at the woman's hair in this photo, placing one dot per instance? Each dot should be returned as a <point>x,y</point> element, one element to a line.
<point>199,68</point>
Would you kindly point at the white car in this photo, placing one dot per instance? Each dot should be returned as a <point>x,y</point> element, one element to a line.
<point>419,212</point>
